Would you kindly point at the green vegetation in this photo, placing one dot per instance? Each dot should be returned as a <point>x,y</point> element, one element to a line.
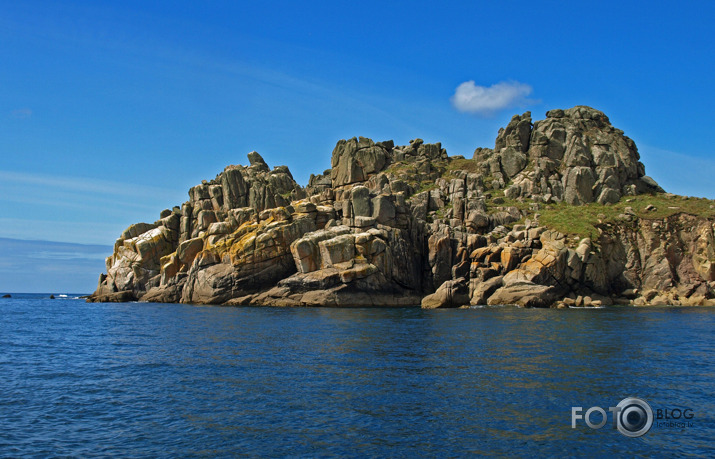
<point>468,165</point>
<point>522,205</point>
<point>398,169</point>
<point>442,213</point>
<point>426,185</point>
<point>571,220</point>
<point>408,172</point>
<point>488,181</point>
<point>582,220</point>
<point>574,221</point>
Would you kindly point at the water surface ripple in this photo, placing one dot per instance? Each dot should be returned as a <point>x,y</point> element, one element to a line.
<point>153,380</point>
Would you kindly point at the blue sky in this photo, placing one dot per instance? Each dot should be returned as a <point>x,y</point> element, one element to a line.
<point>110,111</point>
<point>50,267</point>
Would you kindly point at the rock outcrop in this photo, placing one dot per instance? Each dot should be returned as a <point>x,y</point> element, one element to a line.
<point>573,155</point>
<point>408,225</point>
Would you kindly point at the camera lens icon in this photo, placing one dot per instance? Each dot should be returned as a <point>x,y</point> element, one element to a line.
<point>635,417</point>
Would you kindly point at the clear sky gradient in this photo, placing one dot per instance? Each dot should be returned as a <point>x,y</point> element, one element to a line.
<point>111,110</point>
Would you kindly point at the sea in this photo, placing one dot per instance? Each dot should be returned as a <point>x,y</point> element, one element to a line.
<point>152,380</point>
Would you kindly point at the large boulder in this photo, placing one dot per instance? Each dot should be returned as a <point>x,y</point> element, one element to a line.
<point>337,250</point>
<point>578,185</point>
<point>524,294</point>
<point>355,160</point>
<point>188,249</point>
<point>451,294</point>
<point>483,290</point>
<point>306,253</point>
<point>547,267</point>
<point>440,255</point>
<point>360,200</point>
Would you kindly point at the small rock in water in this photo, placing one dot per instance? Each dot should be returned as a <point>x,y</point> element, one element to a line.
<point>52,297</point>
<point>7,295</point>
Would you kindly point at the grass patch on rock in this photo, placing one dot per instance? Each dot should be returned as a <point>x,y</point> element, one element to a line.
<point>582,220</point>
<point>463,164</point>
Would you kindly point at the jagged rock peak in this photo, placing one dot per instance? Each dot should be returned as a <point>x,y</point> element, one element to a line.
<point>579,112</point>
<point>573,155</point>
<point>387,225</point>
<point>357,159</point>
<point>257,161</point>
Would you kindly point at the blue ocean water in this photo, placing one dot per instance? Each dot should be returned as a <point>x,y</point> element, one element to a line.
<point>156,380</point>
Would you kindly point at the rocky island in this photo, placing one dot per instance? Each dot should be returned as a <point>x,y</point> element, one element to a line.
<point>559,213</point>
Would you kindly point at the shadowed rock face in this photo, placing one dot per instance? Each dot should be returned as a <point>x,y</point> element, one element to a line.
<point>407,225</point>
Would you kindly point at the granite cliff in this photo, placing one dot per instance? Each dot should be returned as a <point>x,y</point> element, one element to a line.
<point>558,213</point>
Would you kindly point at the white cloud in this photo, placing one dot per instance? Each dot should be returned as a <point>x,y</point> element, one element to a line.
<point>482,100</point>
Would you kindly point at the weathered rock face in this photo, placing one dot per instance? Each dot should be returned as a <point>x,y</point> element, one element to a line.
<point>450,294</point>
<point>408,225</point>
<point>671,258</point>
<point>149,255</point>
<point>355,160</point>
<point>574,155</point>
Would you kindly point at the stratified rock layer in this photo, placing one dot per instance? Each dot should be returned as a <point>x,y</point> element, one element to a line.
<point>408,225</point>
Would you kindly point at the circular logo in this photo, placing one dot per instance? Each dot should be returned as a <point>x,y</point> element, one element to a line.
<point>635,417</point>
